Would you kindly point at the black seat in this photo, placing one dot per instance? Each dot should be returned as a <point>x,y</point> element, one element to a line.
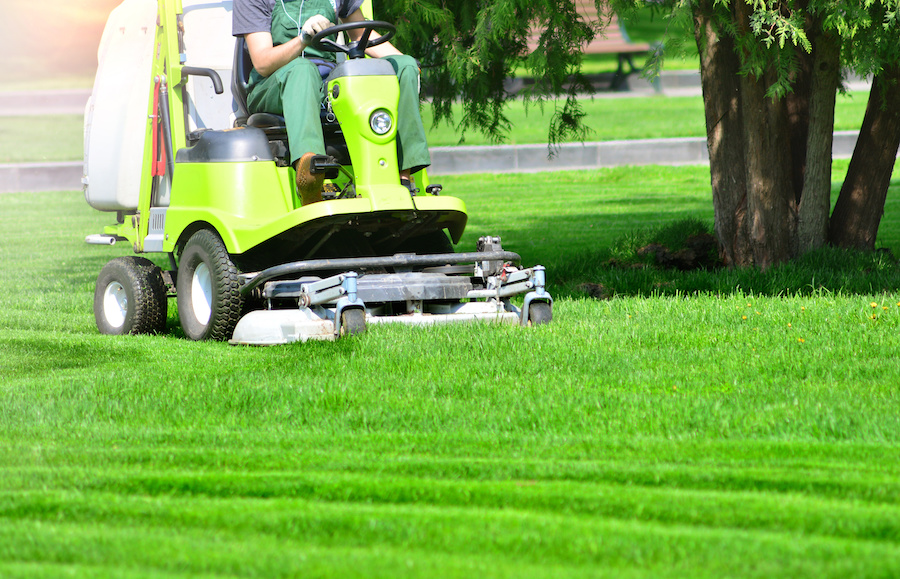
<point>272,124</point>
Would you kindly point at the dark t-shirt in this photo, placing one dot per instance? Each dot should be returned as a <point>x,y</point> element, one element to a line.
<point>256,15</point>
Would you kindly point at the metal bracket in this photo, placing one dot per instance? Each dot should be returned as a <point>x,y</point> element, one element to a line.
<point>540,294</point>
<point>349,301</point>
<point>321,291</point>
<point>488,268</point>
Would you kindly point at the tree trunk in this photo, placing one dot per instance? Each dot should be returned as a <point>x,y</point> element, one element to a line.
<point>798,103</point>
<point>857,214</point>
<point>719,67</point>
<point>771,201</point>
<point>815,200</point>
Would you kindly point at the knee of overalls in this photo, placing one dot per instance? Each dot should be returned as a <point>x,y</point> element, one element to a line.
<point>403,63</point>
<point>300,74</point>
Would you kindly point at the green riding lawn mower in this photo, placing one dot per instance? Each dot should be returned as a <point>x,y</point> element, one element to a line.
<point>190,173</point>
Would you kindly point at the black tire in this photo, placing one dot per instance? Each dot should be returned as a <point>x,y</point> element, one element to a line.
<point>209,303</point>
<point>353,322</point>
<point>130,297</point>
<point>539,313</point>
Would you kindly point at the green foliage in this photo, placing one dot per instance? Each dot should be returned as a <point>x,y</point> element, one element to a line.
<point>874,30</point>
<point>468,50</point>
<point>674,40</point>
<point>769,33</point>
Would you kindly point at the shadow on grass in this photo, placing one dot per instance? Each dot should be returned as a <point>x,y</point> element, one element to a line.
<point>624,267</point>
<point>827,270</point>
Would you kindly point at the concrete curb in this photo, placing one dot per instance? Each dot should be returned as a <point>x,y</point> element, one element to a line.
<point>462,160</point>
<point>569,156</point>
<point>578,156</point>
<point>25,177</point>
<point>34,177</point>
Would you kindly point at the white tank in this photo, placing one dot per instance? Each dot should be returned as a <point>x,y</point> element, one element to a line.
<point>116,114</point>
<point>115,118</point>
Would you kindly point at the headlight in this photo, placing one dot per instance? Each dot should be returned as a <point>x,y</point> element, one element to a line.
<point>381,122</point>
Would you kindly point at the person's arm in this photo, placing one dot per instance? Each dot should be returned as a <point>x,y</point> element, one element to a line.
<point>385,49</point>
<point>268,58</point>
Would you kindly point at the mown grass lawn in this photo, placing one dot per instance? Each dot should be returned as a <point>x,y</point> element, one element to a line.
<point>719,434</point>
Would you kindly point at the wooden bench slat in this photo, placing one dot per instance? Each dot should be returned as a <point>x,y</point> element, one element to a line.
<point>611,41</point>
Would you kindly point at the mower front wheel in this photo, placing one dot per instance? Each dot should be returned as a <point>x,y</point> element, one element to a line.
<point>130,297</point>
<point>209,303</point>
<point>353,322</point>
<point>539,313</point>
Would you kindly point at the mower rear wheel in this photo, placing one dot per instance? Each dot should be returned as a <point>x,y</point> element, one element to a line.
<point>209,303</point>
<point>539,313</point>
<point>353,322</point>
<point>130,297</point>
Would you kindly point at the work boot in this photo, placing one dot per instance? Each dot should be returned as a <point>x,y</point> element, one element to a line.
<point>413,190</point>
<point>309,186</point>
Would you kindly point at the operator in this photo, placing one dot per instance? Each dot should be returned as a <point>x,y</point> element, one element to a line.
<point>287,79</point>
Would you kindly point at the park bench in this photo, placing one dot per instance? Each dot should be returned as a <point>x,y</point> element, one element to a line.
<point>613,40</point>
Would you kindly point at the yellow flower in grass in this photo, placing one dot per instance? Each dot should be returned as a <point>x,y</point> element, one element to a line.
<point>874,305</point>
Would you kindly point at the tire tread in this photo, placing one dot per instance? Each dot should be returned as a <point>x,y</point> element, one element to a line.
<point>227,300</point>
<point>143,281</point>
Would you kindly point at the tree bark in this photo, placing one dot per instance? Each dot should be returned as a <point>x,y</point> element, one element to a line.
<point>815,199</point>
<point>860,205</point>
<point>719,67</point>
<point>771,202</point>
<point>798,103</point>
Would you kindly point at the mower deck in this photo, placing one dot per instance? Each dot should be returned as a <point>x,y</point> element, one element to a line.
<point>404,288</point>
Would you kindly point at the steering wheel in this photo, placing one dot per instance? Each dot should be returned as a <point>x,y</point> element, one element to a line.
<point>357,48</point>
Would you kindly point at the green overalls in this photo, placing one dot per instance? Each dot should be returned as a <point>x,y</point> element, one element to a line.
<point>296,90</point>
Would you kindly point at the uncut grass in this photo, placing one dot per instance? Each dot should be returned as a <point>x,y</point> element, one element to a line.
<point>635,437</point>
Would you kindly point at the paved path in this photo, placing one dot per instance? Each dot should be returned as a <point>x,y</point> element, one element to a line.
<point>461,160</point>
<point>445,160</point>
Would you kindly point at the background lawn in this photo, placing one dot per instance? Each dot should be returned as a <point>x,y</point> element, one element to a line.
<point>61,137</point>
<point>722,434</point>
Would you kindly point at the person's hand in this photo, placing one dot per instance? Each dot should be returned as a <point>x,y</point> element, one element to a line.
<point>313,26</point>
